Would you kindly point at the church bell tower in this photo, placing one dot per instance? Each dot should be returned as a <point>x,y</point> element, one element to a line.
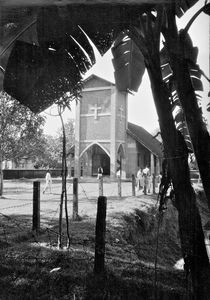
<point>100,130</point>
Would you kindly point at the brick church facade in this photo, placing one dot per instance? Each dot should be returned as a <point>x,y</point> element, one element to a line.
<point>104,137</point>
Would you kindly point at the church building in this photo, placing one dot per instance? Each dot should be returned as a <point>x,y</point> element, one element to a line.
<point>104,137</point>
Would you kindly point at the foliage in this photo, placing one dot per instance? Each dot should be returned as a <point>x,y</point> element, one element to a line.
<point>141,231</point>
<point>128,63</point>
<point>20,130</point>
<point>52,152</point>
<point>69,127</point>
<point>195,73</point>
<point>28,262</point>
<point>51,156</point>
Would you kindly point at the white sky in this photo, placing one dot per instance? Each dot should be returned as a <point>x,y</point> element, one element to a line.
<point>141,109</point>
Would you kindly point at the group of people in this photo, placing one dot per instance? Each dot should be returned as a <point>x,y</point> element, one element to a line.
<point>144,180</point>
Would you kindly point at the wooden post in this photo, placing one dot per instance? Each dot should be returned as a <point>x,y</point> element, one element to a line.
<point>100,234</point>
<point>153,183</point>
<point>75,199</point>
<point>133,185</point>
<point>100,182</point>
<point>36,206</point>
<point>119,187</point>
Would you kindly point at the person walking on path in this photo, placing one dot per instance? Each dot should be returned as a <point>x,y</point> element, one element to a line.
<point>48,180</point>
<point>146,174</point>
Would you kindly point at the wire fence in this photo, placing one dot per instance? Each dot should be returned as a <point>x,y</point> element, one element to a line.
<point>16,205</point>
<point>16,210</point>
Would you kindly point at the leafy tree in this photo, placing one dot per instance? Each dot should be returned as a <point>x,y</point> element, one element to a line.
<point>20,132</point>
<point>51,154</point>
<point>69,127</point>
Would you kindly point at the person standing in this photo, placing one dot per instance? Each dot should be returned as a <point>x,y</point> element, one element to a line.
<point>139,179</point>
<point>100,172</point>
<point>146,174</point>
<point>48,182</point>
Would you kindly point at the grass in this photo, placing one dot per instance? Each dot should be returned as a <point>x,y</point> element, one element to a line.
<point>28,262</point>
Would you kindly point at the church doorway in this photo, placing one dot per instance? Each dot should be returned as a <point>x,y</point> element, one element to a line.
<point>100,158</point>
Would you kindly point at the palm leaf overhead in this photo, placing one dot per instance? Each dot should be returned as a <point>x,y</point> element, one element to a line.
<point>21,26</point>
<point>190,54</point>
<point>64,53</point>
<point>128,63</point>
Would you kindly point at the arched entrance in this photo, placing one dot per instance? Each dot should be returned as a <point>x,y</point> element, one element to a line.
<point>100,158</point>
<point>93,157</point>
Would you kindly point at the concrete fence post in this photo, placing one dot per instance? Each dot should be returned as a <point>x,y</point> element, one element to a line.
<point>119,187</point>
<point>100,234</point>
<point>153,183</point>
<point>100,182</point>
<point>133,185</point>
<point>75,199</point>
<point>36,206</point>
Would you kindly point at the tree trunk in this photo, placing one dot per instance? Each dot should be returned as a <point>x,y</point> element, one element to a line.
<point>176,153</point>
<point>60,222</point>
<point>1,177</point>
<point>197,129</point>
<point>64,174</point>
<point>191,232</point>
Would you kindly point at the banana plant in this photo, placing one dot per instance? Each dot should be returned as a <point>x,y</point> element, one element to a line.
<point>182,58</point>
<point>195,74</point>
<point>128,63</point>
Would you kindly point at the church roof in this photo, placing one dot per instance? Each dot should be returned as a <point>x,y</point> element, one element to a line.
<point>145,138</point>
<point>99,79</point>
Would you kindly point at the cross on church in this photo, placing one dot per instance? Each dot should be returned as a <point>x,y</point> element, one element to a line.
<point>95,109</point>
<point>121,112</point>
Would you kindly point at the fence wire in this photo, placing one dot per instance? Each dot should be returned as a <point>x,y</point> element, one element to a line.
<point>16,206</point>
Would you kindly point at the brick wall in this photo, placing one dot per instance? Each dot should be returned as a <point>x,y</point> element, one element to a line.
<point>91,128</point>
<point>131,159</point>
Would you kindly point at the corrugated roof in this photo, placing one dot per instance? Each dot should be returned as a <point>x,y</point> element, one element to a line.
<point>145,138</point>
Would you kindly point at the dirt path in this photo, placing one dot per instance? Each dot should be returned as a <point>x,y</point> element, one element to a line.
<point>18,195</point>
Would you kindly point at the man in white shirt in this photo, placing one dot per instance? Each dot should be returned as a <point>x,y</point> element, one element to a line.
<point>139,179</point>
<point>48,180</point>
<point>145,175</point>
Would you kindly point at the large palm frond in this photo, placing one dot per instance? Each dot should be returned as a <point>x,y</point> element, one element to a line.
<point>38,76</point>
<point>195,75</point>
<point>64,53</point>
<point>128,63</point>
